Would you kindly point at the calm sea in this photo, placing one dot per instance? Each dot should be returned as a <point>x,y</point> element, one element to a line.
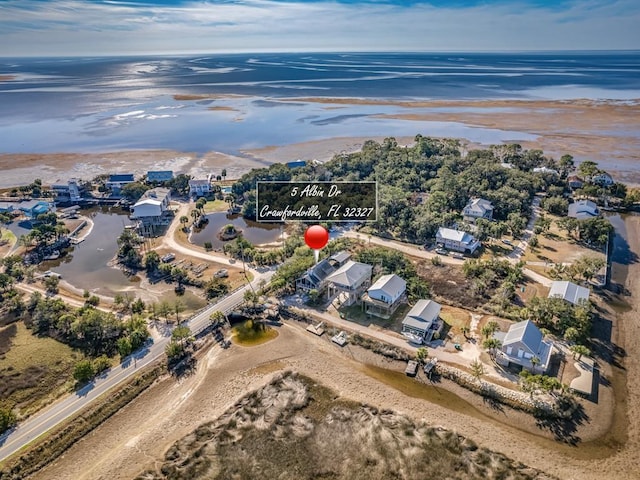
<point>99,104</point>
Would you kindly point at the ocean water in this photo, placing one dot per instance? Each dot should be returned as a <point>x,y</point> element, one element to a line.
<point>101,104</point>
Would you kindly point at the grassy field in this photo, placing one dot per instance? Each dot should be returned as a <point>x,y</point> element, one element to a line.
<point>33,370</point>
<point>7,241</point>
<point>213,206</point>
<point>295,428</point>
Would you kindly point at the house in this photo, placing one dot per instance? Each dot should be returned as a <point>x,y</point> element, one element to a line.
<point>296,164</point>
<point>349,282</point>
<point>152,210</point>
<point>116,182</point>
<point>583,210</point>
<point>546,170</point>
<point>574,182</point>
<point>569,292</point>
<point>385,295</point>
<point>521,344</point>
<point>7,207</point>
<point>603,179</point>
<point>159,176</point>
<point>315,278</point>
<point>457,240</point>
<point>422,321</point>
<point>33,208</point>
<point>478,208</point>
<point>69,191</point>
<point>199,187</point>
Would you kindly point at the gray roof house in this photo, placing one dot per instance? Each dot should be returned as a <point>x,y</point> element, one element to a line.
<point>385,295</point>
<point>569,292</point>
<point>349,282</point>
<point>457,240</point>
<point>422,321</point>
<point>315,278</point>
<point>478,208</point>
<point>159,175</point>
<point>521,343</point>
<point>583,210</point>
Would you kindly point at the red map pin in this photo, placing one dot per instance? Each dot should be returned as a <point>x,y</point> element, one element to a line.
<point>316,237</point>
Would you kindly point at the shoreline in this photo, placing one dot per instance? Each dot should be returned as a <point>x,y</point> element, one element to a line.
<point>607,132</point>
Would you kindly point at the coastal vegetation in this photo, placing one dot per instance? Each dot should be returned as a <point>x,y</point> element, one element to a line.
<point>297,428</point>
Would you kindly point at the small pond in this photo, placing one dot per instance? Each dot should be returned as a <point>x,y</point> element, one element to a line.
<point>256,233</point>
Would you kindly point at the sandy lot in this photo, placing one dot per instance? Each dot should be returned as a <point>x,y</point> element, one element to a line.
<point>137,437</point>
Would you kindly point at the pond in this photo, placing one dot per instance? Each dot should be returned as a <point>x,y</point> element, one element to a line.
<point>86,265</point>
<point>256,233</point>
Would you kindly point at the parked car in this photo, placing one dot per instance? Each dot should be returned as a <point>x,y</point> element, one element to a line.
<point>506,242</point>
<point>441,251</point>
<point>223,273</point>
<point>169,257</point>
<point>458,256</point>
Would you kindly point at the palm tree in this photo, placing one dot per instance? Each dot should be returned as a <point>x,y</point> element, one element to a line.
<point>477,369</point>
<point>217,318</point>
<point>178,307</point>
<point>184,220</point>
<point>535,361</point>
<point>492,345</point>
<point>580,350</point>
<point>224,173</point>
<point>465,331</point>
<point>422,354</point>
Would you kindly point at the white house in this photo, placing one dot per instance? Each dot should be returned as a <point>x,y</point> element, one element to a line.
<point>457,240</point>
<point>521,344</point>
<point>569,292</point>
<point>199,187</point>
<point>385,295</point>
<point>478,208</point>
<point>67,191</point>
<point>349,281</point>
<point>603,179</point>
<point>422,321</point>
<point>152,210</point>
<point>583,210</point>
<point>546,170</point>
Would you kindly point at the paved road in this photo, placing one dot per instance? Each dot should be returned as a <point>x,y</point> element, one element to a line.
<point>43,421</point>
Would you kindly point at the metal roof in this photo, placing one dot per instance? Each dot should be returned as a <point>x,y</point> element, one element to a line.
<point>350,274</point>
<point>422,315</point>
<point>391,284</point>
<point>569,291</point>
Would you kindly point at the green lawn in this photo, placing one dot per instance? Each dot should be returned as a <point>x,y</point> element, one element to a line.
<point>356,314</point>
<point>216,206</point>
<point>34,370</point>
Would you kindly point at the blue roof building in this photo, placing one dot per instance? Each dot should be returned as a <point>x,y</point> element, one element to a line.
<point>296,164</point>
<point>159,175</point>
<point>33,208</point>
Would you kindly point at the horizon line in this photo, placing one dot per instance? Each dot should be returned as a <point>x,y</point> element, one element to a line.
<point>360,52</point>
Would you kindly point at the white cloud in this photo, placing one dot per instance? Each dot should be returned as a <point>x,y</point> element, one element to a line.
<point>73,27</point>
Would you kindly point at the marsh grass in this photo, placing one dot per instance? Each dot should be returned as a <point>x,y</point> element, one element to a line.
<point>294,428</point>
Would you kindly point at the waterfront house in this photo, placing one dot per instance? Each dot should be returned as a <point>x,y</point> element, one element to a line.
<point>385,295</point>
<point>457,240</point>
<point>548,170</point>
<point>296,164</point>
<point>422,321</point>
<point>349,282</point>
<point>117,181</point>
<point>574,182</point>
<point>199,187</point>
<point>478,208</point>
<point>69,191</point>
<point>520,344</point>
<point>7,207</point>
<point>603,179</point>
<point>32,208</point>
<point>569,292</point>
<point>159,176</point>
<point>315,278</point>
<point>152,210</point>
<point>583,210</point>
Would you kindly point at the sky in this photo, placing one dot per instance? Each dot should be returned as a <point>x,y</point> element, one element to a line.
<point>118,27</point>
